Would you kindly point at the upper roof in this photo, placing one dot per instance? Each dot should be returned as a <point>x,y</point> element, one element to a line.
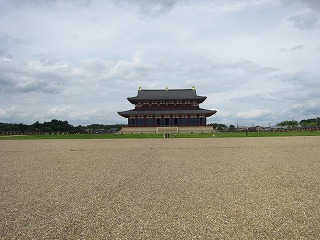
<point>167,94</point>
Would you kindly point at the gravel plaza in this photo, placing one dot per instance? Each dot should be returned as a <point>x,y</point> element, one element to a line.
<point>236,188</point>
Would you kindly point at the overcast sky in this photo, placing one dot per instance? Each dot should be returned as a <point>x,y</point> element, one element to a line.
<point>257,61</point>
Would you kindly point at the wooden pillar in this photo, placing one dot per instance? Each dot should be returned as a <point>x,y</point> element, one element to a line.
<point>129,121</point>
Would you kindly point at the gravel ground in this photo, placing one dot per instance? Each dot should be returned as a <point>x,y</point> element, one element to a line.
<point>241,188</point>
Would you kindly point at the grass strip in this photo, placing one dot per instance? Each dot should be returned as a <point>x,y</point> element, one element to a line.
<point>179,135</point>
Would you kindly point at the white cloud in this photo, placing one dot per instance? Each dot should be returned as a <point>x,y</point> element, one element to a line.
<point>5,112</point>
<point>76,116</point>
<point>60,111</point>
<point>254,113</point>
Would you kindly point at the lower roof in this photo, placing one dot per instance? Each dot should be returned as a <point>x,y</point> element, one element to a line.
<point>206,112</point>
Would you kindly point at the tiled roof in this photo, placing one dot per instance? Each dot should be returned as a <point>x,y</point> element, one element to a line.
<point>206,112</point>
<point>167,94</point>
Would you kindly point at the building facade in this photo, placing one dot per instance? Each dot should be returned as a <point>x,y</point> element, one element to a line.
<point>169,107</point>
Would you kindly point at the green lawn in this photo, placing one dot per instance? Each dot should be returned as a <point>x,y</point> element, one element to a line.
<point>182,135</point>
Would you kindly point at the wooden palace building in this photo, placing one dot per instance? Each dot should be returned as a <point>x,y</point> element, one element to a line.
<point>167,108</point>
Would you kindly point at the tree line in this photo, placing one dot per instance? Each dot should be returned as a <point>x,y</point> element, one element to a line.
<point>64,126</point>
<point>58,126</point>
<point>312,122</point>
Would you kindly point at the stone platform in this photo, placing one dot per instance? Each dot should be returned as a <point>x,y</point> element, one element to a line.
<point>169,129</point>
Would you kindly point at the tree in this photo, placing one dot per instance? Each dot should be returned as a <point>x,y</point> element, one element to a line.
<point>220,128</point>
<point>23,127</point>
<point>78,129</point>
<point>310,122</point>
<point>232,128</point>
<point>46,129</point>
<point>11,127</point>
<point>36,125</point>
<point>290,123</point>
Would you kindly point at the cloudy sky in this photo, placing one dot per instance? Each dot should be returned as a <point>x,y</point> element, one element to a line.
<point>257,61</point>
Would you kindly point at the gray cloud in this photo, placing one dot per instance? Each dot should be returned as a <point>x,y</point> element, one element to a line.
<point>22,3</point>
<point>312,4</point>
<point>298,47</point>
<point>308,109</point>
<point>47,75</point>
<point>309,18</point>
<point>297,97</point>
<point>301,79</point>
<point>151,7</point>
<point>5,55</point>
<point>24,78</point>
<point>76,82</point>
<point>11,42</point>
<point>306,21</point>
<point>8,113</point>
<point>37,86</point>
<point>154,7</point>
<point>48,60</point>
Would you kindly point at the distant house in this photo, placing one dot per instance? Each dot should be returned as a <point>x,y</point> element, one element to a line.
<point>112,130</point>
<point>242,128</point>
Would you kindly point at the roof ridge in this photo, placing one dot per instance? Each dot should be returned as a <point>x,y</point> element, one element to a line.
<point>174,89</point>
